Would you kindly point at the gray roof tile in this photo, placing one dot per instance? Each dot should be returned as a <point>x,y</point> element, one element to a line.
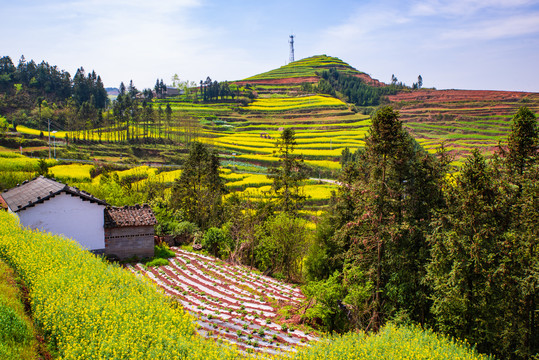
<point>39,190</point>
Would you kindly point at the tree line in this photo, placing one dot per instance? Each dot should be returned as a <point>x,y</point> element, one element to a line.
<point>405,241</point>
<point>353,89</point>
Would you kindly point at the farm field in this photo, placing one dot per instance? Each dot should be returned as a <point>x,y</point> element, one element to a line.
<point>463,119</point>
<point>89,308</point>
<point>232,303</point>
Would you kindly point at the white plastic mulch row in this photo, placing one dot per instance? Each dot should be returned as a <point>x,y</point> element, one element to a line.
<point>264,283</point>
<point>214,282</point>
<point>221,301</point>
<point>232,303</point>
<point>260,279</point>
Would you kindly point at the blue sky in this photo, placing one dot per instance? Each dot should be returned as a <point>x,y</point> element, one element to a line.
<point>453,44</point>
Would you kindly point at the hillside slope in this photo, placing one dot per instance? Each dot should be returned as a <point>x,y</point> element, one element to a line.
<point>305,70</point>
<point>463,119</point>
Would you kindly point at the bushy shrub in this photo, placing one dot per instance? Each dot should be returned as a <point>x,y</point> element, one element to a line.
<point>216,242</point>
<point>162,251</point>
<point>184,232</point>
<point>157,262</point>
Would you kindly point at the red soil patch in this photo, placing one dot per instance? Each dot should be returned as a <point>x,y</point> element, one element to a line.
<point>369,80</point>
<point>436,96</point>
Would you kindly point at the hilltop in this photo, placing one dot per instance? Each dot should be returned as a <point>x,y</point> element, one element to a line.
<point>306,71</point>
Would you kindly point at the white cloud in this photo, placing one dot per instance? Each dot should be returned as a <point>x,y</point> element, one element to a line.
<point>496,29</point>
<point>453,8</point>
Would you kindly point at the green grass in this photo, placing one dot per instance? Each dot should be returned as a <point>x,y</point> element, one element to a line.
<point>17,333</point>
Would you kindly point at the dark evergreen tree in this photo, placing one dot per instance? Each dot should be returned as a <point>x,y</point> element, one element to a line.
<point>523,141</point>
<point>288,178</point>
<point>197,194</point>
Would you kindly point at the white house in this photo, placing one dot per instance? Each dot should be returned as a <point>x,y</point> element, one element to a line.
<point>48,205</point>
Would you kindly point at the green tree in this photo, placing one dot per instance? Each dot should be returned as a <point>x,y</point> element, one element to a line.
<point>380,218</point>
<point>198,192</point>
<point>282,250</point>
<point>217,242</point>
<point>289,176</point>
<point>4,125</point>
<point>523,141</point>
<point>464,272</point>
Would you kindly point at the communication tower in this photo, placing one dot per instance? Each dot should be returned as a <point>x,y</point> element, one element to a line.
<point>291,42</point>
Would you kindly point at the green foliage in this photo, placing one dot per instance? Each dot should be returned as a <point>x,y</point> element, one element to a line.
<point>523,141</point>
<point>326,298</point>
<point>283,247</point>
<point>289,176</point>
<point>17,334</point>
<point>4,125</point>
<point>217,242</point>
<point>162,251</point>
<point>185,231</point>
<point>42,167</point>
<point>157,262</point>
<point>354,88</point>
<point>198,192</point>
<point>12,327</point>
<point>379,220</point>
<point>483,270</point>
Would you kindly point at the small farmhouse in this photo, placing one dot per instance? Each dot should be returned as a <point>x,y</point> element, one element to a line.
<point>49,205</point>
<point>129,231</point>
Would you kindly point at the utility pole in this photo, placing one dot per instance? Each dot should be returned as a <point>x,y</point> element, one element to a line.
<point>49,128</point>
<point>54,141</point>
<point>291,42</point>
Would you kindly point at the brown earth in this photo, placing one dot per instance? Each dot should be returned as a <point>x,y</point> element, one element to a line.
<point>436,96</point>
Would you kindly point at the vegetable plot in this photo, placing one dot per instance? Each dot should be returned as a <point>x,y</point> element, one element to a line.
<point>230,303</point>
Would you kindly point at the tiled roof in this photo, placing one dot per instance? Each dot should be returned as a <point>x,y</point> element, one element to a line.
<point>41,189</point>
<point>129,216</point>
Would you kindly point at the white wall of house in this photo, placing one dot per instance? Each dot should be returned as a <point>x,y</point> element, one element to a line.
<point>69,216</point>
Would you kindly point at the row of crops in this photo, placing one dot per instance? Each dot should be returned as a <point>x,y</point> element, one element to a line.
<point>231,303</point>
<point>89,309</point>
<point>15,169</point>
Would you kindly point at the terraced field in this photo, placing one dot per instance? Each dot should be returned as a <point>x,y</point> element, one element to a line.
<point>231,303</point>
<point>464,119</point>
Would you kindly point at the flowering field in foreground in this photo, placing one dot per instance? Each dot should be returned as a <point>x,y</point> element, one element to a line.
<point>92,310</point>
<point>390,343</point>
<point>230,302</point>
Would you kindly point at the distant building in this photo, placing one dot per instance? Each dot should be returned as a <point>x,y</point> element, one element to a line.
<point>172,91</point>
<point>51,206</point>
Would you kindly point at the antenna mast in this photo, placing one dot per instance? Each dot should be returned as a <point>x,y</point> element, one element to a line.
<point>291,42</point>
